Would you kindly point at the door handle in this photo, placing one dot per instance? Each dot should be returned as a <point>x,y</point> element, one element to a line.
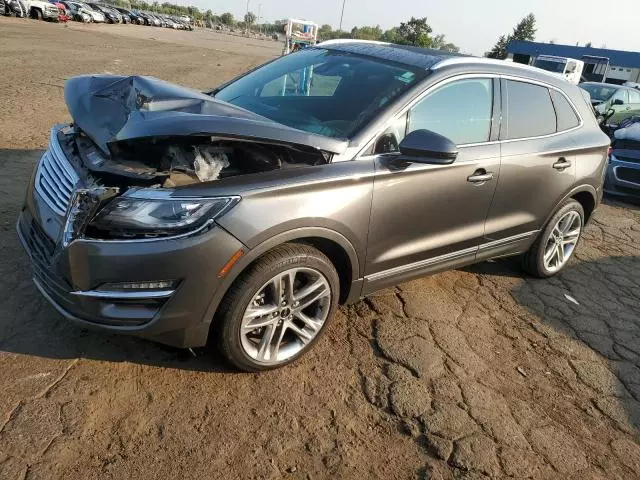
<point>562,164</point>
<point>480,176</point>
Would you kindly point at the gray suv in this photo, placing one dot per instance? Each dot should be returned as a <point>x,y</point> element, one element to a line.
<point>245,215</point>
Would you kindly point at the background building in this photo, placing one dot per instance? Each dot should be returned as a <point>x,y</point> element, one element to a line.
<point>612,66</point>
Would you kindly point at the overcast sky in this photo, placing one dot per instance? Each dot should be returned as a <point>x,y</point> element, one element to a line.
<point>473,25</point>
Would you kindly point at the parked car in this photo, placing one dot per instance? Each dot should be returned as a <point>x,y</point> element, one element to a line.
<point>146,20</point>
<point>77,12</point>
<point>131,16</point>
<point>42,10</point>
<point>624,101</point>
<point>623,170</point>
<point>247,214</point>
<point>13,8</point>
<point>62,11</point>
<point>111,15</point>
<point>96,15</point>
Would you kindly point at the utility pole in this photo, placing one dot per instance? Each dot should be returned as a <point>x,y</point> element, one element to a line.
<point>259,24</point>
<point>342,14</point>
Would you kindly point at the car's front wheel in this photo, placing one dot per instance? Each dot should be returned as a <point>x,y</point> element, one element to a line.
<point>277,309</point>
<point>557,242</point>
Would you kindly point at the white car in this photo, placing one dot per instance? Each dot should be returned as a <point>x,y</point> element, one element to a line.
<point>96,16</point>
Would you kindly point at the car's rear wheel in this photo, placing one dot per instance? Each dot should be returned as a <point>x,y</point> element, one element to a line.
<point>36,14</point>
<point>557,242</point>
<point>277,309</point>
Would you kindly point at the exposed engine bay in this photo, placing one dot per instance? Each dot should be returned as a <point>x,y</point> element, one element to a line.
<point>175,162</point>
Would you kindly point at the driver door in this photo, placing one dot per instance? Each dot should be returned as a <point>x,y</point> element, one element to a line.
<point>431,217</point>
<point>620,105</point>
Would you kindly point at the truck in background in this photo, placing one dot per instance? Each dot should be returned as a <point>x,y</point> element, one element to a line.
<point>568,68</point>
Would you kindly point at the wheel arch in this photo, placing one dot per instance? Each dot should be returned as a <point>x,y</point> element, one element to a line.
<point>585,195</point>
<point>334,245</point>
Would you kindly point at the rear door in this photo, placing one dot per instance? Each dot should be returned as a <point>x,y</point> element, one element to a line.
<point>537,167</point>
<point>634,102</point>
<point>427,217</point>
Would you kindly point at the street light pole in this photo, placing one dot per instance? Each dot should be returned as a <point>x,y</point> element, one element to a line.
<point>342,14</point>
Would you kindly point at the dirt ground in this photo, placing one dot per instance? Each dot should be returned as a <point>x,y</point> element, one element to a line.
<point>474,373</point>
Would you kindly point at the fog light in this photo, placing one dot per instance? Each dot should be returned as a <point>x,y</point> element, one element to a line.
<point>127,286</point>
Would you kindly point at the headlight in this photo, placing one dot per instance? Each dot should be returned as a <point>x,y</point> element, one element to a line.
<point>147,213</point>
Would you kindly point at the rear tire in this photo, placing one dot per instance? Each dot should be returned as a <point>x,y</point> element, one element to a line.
<point>267,319</point>
<point>36,14</point>
<point>556,243</point>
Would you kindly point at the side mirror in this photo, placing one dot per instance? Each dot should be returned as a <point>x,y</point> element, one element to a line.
<point>425,146</point>
<point>617,101</point>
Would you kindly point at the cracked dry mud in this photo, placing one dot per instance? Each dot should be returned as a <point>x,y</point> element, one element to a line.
<point>474,373</point>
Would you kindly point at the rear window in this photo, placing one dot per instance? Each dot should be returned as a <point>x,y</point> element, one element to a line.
<point>530,112</point>
<point>565,114</point>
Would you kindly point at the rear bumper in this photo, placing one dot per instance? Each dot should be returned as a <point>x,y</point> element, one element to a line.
<point>623,177</point>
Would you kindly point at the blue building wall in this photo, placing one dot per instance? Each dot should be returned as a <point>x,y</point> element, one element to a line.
<point>619,58</point>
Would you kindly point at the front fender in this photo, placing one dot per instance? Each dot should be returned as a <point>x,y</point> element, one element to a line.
<point>298,234</point>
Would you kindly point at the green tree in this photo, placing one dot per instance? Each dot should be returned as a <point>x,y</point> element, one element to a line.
<point>499,50</point>
<point>227,18</point>
<point>367,33</point>
<point>325,32</point>
<point>439,42</point>
<point>524,30</point>
<point>414,32</point>
<point>250,19</point>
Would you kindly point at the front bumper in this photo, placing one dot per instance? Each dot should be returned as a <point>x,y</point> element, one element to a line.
<point>623,176</point>
<point>72,277</point>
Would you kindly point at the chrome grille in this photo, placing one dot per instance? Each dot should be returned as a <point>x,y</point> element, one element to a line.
<point>55,177</point>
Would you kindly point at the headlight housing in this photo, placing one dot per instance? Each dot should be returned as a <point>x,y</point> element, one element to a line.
<point>149,213</point>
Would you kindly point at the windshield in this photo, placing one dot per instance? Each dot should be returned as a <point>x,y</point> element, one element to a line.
<point>321,91</point>
<point>599,92</point>
<point>550,65</point>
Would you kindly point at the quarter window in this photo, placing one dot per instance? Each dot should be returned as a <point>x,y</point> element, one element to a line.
<point>565,114</point>
<point>460,110</point>
<point>530,112</point>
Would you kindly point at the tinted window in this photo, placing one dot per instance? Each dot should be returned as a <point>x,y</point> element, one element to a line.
<point>461,111</point>
<point>321,91</point>
<point>530,111</point>
<point>598,91</point>
<point>634,96</point>
<point>565,115</point>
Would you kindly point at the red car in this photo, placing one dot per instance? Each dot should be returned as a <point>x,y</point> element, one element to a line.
<point>62,12</point>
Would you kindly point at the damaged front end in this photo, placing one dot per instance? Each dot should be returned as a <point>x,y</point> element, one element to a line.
<point>135,144</point>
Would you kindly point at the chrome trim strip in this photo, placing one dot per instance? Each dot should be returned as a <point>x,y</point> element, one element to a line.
<point>449,256</point>
<point>124,295</point>
<point>508,240</point>
<point>418,265</point>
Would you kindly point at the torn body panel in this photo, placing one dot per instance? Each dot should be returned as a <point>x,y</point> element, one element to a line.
<point>140,131</point>
<point>111,109</point>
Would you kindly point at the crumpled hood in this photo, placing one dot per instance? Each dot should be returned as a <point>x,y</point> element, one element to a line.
<point>112,108</point>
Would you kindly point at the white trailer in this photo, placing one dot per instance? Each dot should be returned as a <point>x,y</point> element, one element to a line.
<point>568,68</point>
<point>296,37</point>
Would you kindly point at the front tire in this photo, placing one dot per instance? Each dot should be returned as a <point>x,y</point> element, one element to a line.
<point>277,309</point>
<point>554,247</point>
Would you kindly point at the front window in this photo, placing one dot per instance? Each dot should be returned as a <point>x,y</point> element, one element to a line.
<point>460,111</point>
<point>599,92</point>
<point>321,91</point>
<point>554,66</point>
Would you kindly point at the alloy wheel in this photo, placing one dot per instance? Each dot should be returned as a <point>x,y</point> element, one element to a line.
<point>285,315</point>
<point>562,241</point>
